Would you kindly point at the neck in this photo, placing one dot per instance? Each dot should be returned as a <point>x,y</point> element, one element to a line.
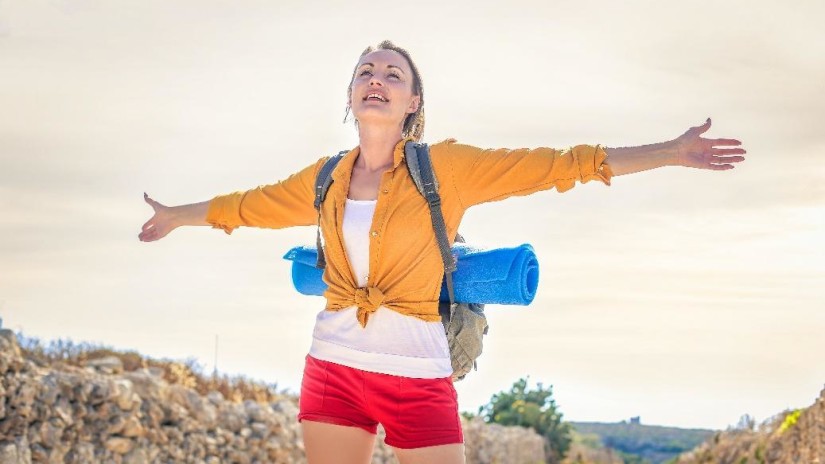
<point>377,145</point>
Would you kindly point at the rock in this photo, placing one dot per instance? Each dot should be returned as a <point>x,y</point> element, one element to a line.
<point>16,451</point>
<point>81,390</point>
<point>288,408</point>
<point>49,390</point>
<point>133,428</point>
<point>106,365</point>
<point>119,445</point>
<point>9,345</point>
<point>202,411</point>
<point>215,397</point>
<point>136,456</point>
<point>173,413</point>
<point>146,385</point>
<point>231,419</point>
<point>207,416</point>
<point>81,452</point>
<point>57,455</point>
<point>39,453</point>
<point>496,443</point>
<point>125,395</point>
<point>63,411</point>
<point>155,414</point>
<point>260,430</point>
<point>23,399</point>
<point>8,453</point>
<point>238,457</point>
<point>254,411</point>
<point>50,434</point>
<point>100,392</point>
<point>116,424</point>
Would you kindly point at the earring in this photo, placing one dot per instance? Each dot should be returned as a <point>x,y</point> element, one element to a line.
<point>346,113</point>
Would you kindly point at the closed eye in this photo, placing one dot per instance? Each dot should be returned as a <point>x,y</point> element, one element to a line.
<point>392,74</point>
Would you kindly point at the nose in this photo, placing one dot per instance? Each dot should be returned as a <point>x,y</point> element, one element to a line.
<point>375,80</point>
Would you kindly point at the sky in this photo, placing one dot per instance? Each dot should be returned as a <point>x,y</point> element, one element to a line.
<point>687,297</point>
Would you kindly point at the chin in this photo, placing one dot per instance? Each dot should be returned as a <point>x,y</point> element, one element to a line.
<point>375,117</point>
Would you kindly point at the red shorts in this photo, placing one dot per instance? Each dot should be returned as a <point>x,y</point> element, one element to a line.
<point>414,412</point>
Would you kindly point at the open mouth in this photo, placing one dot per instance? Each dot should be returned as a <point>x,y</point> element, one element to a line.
<point>375,97</point>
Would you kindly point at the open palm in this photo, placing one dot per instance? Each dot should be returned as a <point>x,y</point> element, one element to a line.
<point>696,152</point>
<point>159,225</point>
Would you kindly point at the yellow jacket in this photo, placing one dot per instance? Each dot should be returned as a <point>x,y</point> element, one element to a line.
<point>406,269</point>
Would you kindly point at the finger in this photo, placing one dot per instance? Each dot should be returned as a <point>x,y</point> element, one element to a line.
<point>149,236</point>
<point>725,142</point>
<point>729,151</point>
<point>154,204</point>
<point>704,127</point>
<point>147,225</point>
<point>729,159</point>
<point>720,167</point>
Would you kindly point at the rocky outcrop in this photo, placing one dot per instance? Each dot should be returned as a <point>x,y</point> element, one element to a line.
<point>792,437</point>
<point>101,413</point>
<point>494,443</point>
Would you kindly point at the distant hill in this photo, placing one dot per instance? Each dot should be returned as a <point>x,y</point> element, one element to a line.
<point>637,443</point>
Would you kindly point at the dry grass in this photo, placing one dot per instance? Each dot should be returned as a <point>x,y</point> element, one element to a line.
<point>188,373</point>
<point>746,445</point>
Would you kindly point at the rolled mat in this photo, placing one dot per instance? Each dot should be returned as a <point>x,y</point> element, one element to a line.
<point>507,276</point>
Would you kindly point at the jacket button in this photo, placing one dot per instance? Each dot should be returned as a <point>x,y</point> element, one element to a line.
<point>385,191</point>
<point>374,233</point>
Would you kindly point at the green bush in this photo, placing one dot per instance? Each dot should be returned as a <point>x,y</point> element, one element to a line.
<point>534,409</point>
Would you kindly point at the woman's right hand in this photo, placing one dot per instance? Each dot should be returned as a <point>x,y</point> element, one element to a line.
<point>159,225</point>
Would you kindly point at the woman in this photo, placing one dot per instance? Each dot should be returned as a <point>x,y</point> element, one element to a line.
<point>379,352</point>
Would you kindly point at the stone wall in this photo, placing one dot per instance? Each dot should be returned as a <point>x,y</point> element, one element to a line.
<point>99,413</point>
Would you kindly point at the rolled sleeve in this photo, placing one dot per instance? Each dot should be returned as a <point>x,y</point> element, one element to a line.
<point>286,203</point>
<point>484,175</point>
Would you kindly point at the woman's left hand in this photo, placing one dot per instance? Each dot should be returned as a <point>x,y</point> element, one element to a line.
<point>695,152</point>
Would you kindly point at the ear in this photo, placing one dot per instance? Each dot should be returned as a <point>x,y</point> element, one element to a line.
<point>414,104</point>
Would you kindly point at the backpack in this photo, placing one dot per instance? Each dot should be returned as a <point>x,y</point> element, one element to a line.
<point>464,323</point>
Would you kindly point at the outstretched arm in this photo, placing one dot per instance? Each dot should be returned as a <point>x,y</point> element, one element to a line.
<point>168,218</point>
<point>689,150</point>
<point>283,204</point>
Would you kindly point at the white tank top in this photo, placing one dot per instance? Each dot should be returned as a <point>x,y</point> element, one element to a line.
<point>391,343</point>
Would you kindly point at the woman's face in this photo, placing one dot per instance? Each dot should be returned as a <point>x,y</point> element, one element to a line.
<point>381,90</point>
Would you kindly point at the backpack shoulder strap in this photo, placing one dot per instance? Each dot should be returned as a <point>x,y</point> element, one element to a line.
<point>414,161</point>
<point>421,170</point>
<point>322,184</point>
<point>324,178</point>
